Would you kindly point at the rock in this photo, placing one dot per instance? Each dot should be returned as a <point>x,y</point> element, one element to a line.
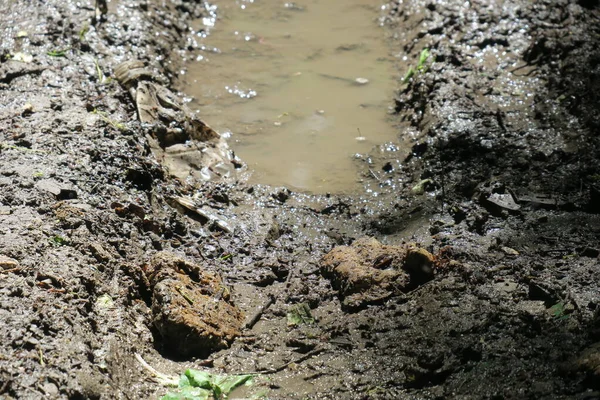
<point>99,252</point>
<point>503,201</point>
<point>191,308</point>
<point>50,389</point>
<point>8,263</point>
<point>60,191</point>
<point>369,272</point>
<point>509,251</point>
<point>506,287</point>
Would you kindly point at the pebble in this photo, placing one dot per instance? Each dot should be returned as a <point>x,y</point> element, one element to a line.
<point>51,389</point>
<point>8,263</point>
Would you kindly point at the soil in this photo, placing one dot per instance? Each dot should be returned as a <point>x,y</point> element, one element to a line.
<point>501,185</point>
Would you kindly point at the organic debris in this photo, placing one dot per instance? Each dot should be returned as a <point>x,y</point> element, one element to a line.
<point>300,314</point>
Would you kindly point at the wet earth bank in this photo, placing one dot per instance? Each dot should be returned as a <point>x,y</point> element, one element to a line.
<point>467,268</point>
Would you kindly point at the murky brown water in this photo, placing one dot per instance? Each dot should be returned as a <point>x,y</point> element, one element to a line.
<point>300,88</point>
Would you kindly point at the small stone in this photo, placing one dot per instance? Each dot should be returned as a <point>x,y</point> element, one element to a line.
<point>99,252</point>
<point>532,308</point>
<point>8,263</point>
<point>50,389</point>
<point>505,201</point>
<point>506,287</point>
<point>27,109</point>
<point>509,251</point>
<point>361,81</point>
<point>58,190</point>
<point>22,57</point>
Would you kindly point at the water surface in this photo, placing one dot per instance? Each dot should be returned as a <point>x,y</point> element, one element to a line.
<point>299,87</point>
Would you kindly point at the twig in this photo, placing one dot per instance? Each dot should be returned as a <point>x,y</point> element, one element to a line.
<point>250,324</point>
<point>288,279</point>
<point>158,376</point>
<point>270,301</point>
<point>442,176</point>
<point>284,366</point>
<point>185,296</point>
<point>375,175</point>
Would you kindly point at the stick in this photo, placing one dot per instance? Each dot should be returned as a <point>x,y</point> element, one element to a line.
<point>260,312</point>
<point>284,366</point>
<point>272,298</point>
<point>158,376</point>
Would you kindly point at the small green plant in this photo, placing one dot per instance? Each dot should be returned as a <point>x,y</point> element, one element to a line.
<point>300,314</point>
<point>200,385</point>
<point>559,311</point>
<point>114,124</point>
<point>58,240</point>
<point>58,53</point>
<point>83,32</point>
<point>421,67</point>
<point>102,79</point>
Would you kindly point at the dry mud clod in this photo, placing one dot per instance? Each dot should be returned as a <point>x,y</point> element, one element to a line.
<point>369,272</point>
<point>191,308</point>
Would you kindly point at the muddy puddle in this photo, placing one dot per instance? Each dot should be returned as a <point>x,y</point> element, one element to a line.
<point>297,88</point>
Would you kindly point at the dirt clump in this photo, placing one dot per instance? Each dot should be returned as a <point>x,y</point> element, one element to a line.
<point>191,308</point>
<point>368,272</point>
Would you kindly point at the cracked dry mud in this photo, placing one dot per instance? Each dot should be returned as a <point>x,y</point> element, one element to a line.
<point>503,126</point>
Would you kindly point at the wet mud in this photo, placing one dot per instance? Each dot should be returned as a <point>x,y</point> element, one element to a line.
<point>108,254</point>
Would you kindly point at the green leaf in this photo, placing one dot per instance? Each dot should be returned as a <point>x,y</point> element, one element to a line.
<point>59,240</point>
<point>423,59</point>
<point>201,385</point>
<point>199,378</point>
<point>58,53</point>
<point>409,74</point>
<point>300,314</point>
<point>227,383</point>
<point>184,381</point>
<point>559,311</point>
